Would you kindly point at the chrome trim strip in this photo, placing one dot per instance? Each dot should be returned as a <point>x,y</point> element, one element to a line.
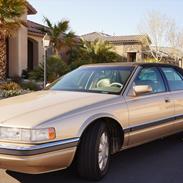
<point>10,149</point>
<point>151,124</point>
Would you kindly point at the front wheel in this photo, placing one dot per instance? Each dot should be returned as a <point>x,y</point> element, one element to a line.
<point>94,152</point>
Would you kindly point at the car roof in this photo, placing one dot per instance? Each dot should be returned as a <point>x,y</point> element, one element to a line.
<point>130,64</point>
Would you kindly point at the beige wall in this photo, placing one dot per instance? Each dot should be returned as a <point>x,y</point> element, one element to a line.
<point>119,49</point>
<point>124,49</point>
<point>18,52</point>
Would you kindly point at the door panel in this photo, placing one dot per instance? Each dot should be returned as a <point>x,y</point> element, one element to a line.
<point>175,81</point>
<point>150,117</point>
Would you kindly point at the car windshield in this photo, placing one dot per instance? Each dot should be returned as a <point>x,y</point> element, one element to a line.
<point>94,79</point>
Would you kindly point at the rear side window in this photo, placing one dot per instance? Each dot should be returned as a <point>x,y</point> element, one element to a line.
<point>174,78</point>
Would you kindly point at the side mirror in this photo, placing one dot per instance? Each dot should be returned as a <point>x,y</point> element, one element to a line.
<point>142,89</point>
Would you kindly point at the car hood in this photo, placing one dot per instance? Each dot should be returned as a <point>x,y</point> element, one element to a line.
<point>27,111</point>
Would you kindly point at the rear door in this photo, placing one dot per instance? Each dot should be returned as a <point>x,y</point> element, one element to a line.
<point>150,115</point>
<point>174,78</point>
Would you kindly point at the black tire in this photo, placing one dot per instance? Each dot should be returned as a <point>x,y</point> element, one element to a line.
<point>88,153</point>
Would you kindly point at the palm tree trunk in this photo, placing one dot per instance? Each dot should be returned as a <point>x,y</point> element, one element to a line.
<point>3,60</point>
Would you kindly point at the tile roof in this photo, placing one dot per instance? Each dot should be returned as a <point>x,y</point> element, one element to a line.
<point>114,39</point>
<point>35,28</point>
<point>94,35</point>
<point>31,9</point>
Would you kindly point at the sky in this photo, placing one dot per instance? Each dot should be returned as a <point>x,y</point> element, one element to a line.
<point>115,17</point>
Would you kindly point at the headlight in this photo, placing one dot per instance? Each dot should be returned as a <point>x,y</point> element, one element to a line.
<point>27,135</point>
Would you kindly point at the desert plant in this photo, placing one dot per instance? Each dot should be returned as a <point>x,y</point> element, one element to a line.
<point>10,86</point>
<point>10,89</point>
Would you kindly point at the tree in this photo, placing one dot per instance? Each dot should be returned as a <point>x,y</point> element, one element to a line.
<point>156,25</point>
<point>175,41</point>
<point>60,35</point>
<point>10,21</point>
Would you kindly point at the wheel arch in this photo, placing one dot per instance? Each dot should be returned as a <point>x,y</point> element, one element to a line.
<point>115,128</point>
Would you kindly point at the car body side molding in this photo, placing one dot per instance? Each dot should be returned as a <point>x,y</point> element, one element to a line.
<point>152,124</point>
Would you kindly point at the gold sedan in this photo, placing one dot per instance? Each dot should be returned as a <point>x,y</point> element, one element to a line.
<point>89,114</point>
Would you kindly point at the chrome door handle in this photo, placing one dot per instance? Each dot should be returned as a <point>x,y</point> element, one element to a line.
<point>167,100</point>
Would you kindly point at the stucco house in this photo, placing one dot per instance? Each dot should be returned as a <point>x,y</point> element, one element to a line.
<point>131,48</point>
<point>25,49</point>
<point>135,48</point>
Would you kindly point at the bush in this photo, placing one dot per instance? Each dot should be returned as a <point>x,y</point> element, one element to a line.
<point>10,89</point>
<point>30,86</point>
<point>10,93</point>
<point>10,86</point>
<point>56,67</point>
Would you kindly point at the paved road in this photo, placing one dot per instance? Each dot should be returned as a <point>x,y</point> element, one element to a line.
<point>157,162</point>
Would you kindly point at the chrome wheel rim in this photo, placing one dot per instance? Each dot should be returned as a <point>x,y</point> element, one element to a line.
<point>103,153</point>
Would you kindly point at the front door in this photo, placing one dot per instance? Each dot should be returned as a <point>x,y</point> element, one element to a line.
<point>150,115</point>
<point>131,56</point>
<point>30,64</point>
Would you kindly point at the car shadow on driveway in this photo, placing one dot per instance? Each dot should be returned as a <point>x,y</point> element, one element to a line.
<point>160,161</point>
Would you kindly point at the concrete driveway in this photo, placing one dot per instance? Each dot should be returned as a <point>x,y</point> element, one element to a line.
<point>158,162</point>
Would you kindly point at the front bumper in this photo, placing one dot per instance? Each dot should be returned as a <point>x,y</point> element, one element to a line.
<point>38,159</point>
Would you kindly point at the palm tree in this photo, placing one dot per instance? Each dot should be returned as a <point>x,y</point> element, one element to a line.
<point>11,12</point>
<point>62,39</point>
<point>93,52</point>
<point>100,51</point>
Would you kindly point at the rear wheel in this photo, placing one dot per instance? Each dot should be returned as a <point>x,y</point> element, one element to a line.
<point>94,152</point>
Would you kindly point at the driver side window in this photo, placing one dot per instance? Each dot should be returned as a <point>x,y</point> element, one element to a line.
<point>152,77</point>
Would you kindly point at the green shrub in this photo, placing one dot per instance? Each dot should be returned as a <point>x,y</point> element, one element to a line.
<point>10,86</point>
<point>30,86</point>
<point>56,67</point>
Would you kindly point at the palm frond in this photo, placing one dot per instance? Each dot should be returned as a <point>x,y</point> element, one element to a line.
<point>48,22</point>
<point>10,16</point>
<point>63,26</point>
<point>60,36</point>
